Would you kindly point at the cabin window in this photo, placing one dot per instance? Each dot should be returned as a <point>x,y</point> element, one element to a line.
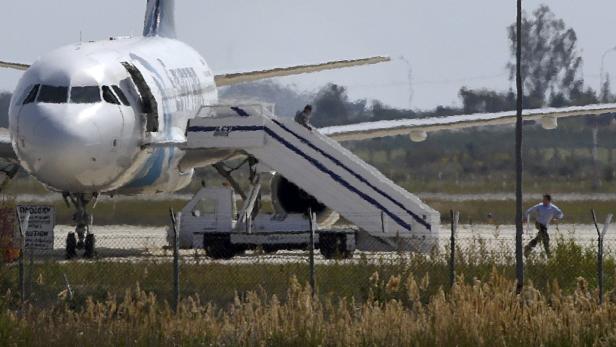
<point>31,97</point>
<point>121,95</point>
<point>85,95</point>
<point>53,95</point>
<point>205,207</point>
<point>109,97</point>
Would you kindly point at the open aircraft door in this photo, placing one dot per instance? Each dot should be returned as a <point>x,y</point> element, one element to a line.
<point>148,103</point>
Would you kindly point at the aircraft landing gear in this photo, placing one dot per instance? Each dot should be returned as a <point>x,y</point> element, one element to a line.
<point>89,246</point>
<point>82,238</point>
<point>71,246</point>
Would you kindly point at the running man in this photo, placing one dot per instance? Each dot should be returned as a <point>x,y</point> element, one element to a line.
<point>545,212</point>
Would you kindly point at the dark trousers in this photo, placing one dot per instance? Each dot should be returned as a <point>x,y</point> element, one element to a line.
<point>542,236</point>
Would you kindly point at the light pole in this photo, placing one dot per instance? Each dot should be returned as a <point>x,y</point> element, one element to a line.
<point>410,79</point>
<point>602,71</point>
<point>604,95</point>
<point>519,168</point>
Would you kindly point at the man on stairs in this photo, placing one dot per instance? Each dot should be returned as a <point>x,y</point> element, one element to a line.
<point>304,116</point>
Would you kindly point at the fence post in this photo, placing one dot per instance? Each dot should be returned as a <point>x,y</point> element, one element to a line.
<point>22,278</point>
<point>455,217</point>
<point>600,238</point>
<point>69,289</point>
<point>311,253</point>
<point>30,271</point>
<point>176,262</point>
<point>23,227</point>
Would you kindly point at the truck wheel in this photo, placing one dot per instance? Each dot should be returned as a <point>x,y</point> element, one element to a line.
<point>218,247</point>
<point>269,249</point>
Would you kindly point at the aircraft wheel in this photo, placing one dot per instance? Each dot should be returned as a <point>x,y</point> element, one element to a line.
<point>80,230</point>
<point>71,246</point>
<point>90,246</point>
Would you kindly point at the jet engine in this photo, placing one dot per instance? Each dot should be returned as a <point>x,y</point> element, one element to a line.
<point>289,198</point>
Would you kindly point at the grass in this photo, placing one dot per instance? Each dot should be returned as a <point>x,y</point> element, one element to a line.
<point>219,282</point>
<point>397,313</point>
<point>403,300</point>
<point>498,183</point>
<point>155,212</point>
<point>476,212</point>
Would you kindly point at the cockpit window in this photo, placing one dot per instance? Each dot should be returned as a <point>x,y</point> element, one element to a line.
<point>54,95</point>
<point>109,97</point>
<point>121,95</point>
<point>32,94</point>
<point>85,95</point>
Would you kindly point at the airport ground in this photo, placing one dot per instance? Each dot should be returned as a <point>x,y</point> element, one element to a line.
<point>477,203</point>
<point>155,212</point>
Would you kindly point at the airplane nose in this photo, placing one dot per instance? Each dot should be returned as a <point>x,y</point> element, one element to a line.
<point>62,146</point>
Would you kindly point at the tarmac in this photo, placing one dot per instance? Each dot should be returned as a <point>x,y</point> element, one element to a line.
<point>136,243</point>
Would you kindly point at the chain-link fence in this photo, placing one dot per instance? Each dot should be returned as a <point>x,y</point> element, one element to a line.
<point>128,257</point>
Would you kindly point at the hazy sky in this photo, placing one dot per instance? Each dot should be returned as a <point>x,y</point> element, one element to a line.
<point>448,43</point>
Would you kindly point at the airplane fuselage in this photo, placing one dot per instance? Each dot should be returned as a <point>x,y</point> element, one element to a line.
<point>81,116</point>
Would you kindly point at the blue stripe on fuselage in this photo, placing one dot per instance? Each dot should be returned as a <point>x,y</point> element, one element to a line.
<point>152,170</point>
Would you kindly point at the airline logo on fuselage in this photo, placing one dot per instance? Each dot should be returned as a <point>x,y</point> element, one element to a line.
<point>223,131</point>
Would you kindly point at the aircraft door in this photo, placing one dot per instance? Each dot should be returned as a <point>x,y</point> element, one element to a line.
<point>148,103</point>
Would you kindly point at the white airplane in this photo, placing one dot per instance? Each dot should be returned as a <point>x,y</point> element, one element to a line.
<point>85,118</point>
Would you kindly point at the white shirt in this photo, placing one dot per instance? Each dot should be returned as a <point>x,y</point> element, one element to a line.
<point>545,213</point>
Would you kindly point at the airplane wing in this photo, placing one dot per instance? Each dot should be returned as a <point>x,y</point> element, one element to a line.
<point>243,77</point>
<point>418,128</point>
<point>6,148</point>
<point>9,165</point>
<point>14,66</point>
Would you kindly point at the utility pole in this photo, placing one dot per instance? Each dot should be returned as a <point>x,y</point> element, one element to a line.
<point>519,227</point>
<point>603,95</point>
<point>596,180</point>
<point>602,75</point>
<point>410,80</point>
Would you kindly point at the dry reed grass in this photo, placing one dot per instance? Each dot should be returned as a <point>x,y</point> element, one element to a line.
<point>395,314</point>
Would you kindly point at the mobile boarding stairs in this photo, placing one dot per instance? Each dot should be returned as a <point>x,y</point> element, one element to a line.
<point>386,217</point>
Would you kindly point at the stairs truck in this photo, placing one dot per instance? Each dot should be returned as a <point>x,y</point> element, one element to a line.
<point>311,172</point>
